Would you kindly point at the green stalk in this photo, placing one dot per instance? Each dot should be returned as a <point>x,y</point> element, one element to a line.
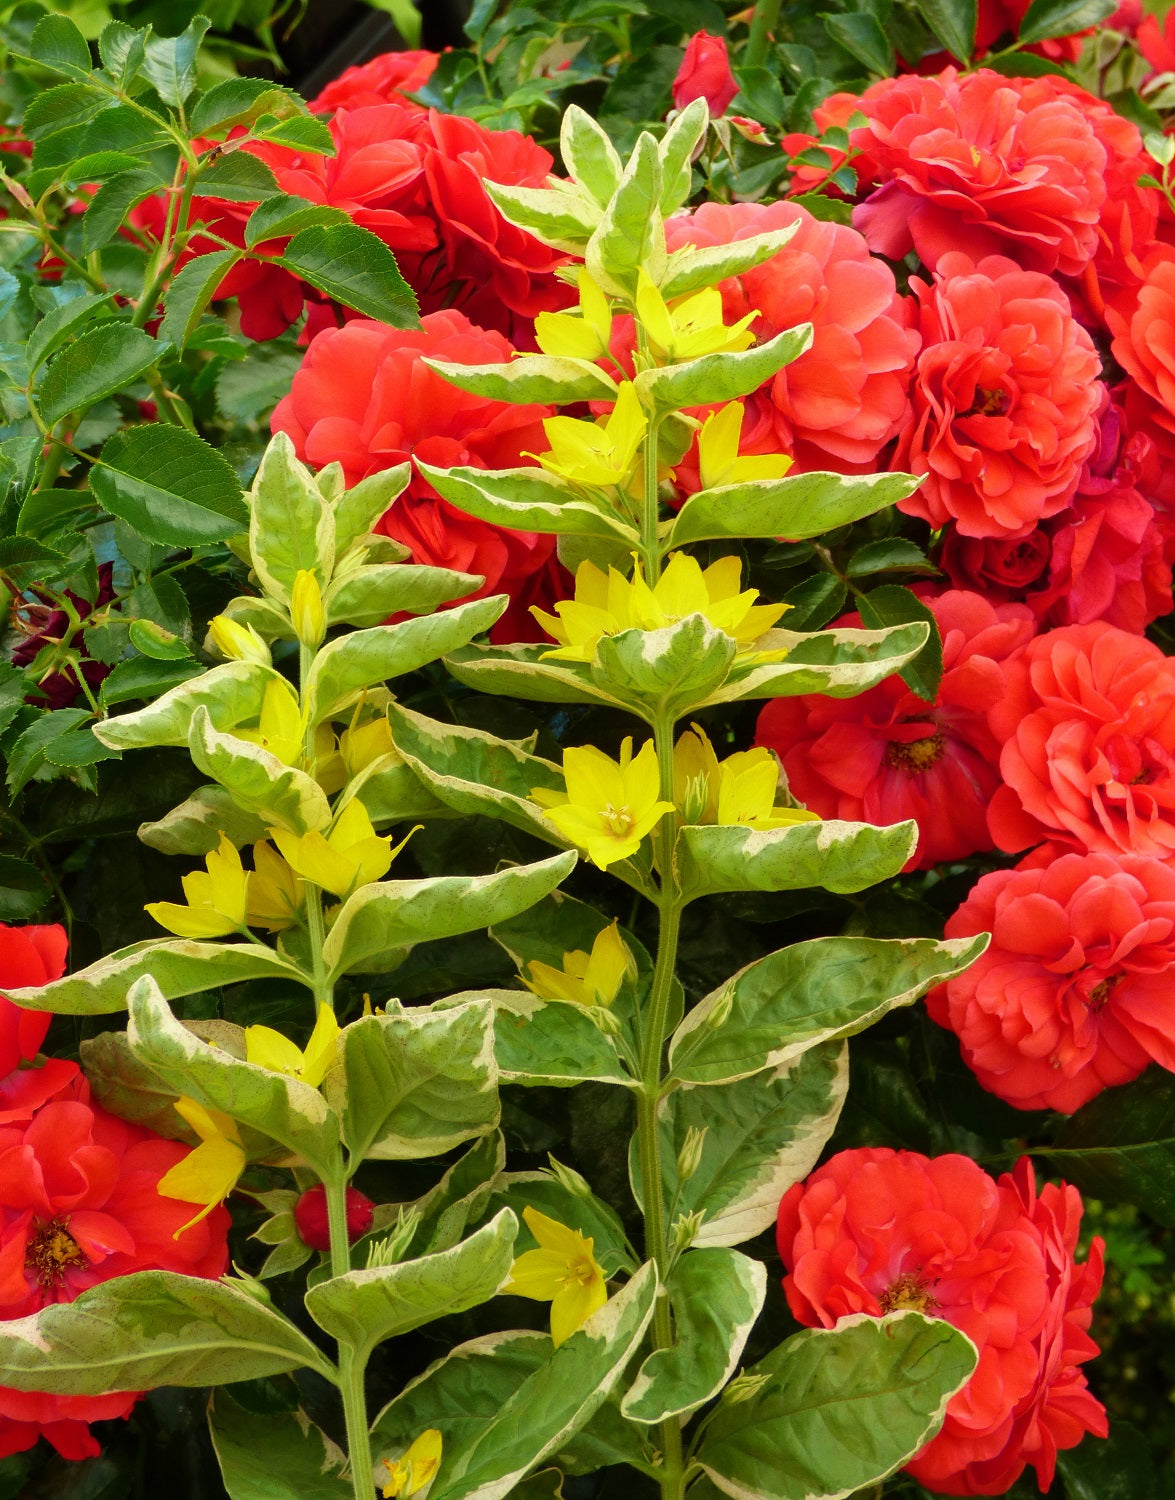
<point>351,1367</point>
<point>762,25</point>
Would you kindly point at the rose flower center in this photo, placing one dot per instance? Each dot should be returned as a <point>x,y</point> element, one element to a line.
<point>917,756</point>
<point>908,1291</point>
<point>51,1251</point>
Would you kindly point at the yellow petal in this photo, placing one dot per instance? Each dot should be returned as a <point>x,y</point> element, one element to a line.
<point>268,1048</point>
<point>574,1305</point>
<point>209,1124</point>
<point>323,1047</point>
<point>206,1175</point>
<point>537,1274</point>
<point>190,921</point>
<point>552,1235</point>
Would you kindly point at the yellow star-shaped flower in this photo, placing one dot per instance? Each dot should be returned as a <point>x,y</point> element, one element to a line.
<point>350,855</point>
<point>586,978</point>
<point>276,895</point>
<point>719,461</point>
<point>597,454</point>
<point>562,1271</point>
<point>609,806</point>
<point>577,335</point>
<point>209,1172</point>
<point>270,1049</point>
<point>739,789</point>
<point>216,898</point>
<point>688,327</point>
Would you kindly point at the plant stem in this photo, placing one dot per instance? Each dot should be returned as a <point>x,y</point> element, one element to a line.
<point>351,1366</point>
<point>762,25</point>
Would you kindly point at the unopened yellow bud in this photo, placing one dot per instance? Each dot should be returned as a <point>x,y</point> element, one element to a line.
<point>238,642</point>
<point>689,1158</point>
<point>306,612</point>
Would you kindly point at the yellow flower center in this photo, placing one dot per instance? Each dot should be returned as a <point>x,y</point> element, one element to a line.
<point>581,1271</point>
<point>618,819</point>
<point>51,1251</point>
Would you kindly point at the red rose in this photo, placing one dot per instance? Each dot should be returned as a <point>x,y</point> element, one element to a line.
<point>79,1204</point>
<point>1141,320</point>
<point>1157,45</point>
<point>875,1230</point>
<point>364,397</point>
<point>1087,722</point>
<point>837,405</point>
<point>888,755</point>
<point>28,956</point>
<point>1005,399</point>
<point>41,624</point>
<point>383,80</point>
<point>981,164</point>
<point>705,74</point>
<point>313,1223</point>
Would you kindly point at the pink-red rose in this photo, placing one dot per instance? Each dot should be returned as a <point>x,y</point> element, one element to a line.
<point>875,1230</point>
<point>28,956</point>
<point>1005,399</point>
<point>705,74</point>
<point>888,755</point>
<point>1087,725</point>
<point>386,79</point>
<point>1074,994</point>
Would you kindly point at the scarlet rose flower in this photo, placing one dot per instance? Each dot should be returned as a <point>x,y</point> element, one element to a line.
<point>1087,724</point>
<point>874,1231</point>
<point>1005,399</point>
<point>888,755</point>
<point>79,1205</point>
<point>28,956</point>
<point>364,397</point>
<point>386,79</point>
<point>981,164</point>
<point>705,74</point>
<point>1142,322</point>
<point>1073,995</point>
<point>838,404</point>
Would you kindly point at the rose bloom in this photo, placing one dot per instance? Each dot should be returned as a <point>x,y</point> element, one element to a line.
<point>79,1205</point>
<point>1073,995</point>
<point>1005,399</point>
<point>386,79</point>
<point>837,405</point>
<point>1157,42</point>
<point>977,163</point>
<point>28,956</point>
<point>1142,322</point>
<point>1087,725</point>
<point>364,398</point>
<point>705,74</point>
<point>888,755</point>
<point>875,1230</point>
<point>40,623</point>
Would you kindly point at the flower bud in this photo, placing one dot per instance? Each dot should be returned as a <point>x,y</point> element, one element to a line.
<point>705,74</point>
<point>306,610</point>
<point>697,795</point>
<point>392,1249</point>
<point>720,1010</point>
<point>238,642</point>
<point>689,1158</point>
<point>743,1387</point>
<point>313,1223</point>
<point>605,1020</point>
<point>685,1229</point>
<point>569,1179</point>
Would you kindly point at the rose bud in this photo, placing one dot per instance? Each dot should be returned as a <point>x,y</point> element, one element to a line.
<point>310,1216</point>
<point>705,74</point>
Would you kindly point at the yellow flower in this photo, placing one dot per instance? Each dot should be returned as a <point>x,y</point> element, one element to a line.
<point>270,1049</point>
<point>217,900</point>
<point>582,335</point>
<point>562,1271</point>
<point>607,603</point>
<point>209,1173</point>
<point>688,327</point>
<point>586,978</point>
<point>718,455</point>
<point>238,642</point>
<point>276,895</point>
<point>363,745</point>
<point>415,1470</point>
<point>739,789</point>
<point>307,614</point>
<point>597,453</point>
<point>608,807</point>
<point>349,856</point>
<point>279,729</point>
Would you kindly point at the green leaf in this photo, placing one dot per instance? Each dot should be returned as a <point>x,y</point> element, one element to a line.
<point>170,62</point>
<point>395,914</point>
<point>156,642</point>
<point>500,1415</point>
<point>563,215</point>
<point>1049,18</point>
<point>837,663</point>
<point>665,671</point>
<point>114,140</point>
<point>526,499</point>
<point>23,889</point>
<point>111,204</point>
<point>779,1006</point>
<point>95,365</point>
<point>368,596</point>
<point>180,966</point>
<point>1121,1146</point>
<point>461,1195</point>
<point>417,1082</point>
<point>280,795</point>
<point>60,326</point>
<point>283,1108</point>
<point>800,505</point>
<point>347,667</point>
<point>842,1408</point>
<point>1119,1468</point>
<point>124,1086</point>
<point>122,49</point>
<point>299,132</point>
<point>27,756</point>
<point>195,826</point>
<point>882,556</point>
<point>700,266</point>
<point>237,176</point>
<point>60,108</point>
<point>58,45</point>
<point>354,267</point>
<point>142,678</point>
<point>722,377</point>
<point>46,512</point>
<point>893,605</point>
<point>275,1455</point>
<point>556,1042</point>
<point>191,291</point>
<point>152,1328</point>
<point>835,855</point>
<point>631,233</point>
<point>284,215</point>
<point>589,155</point>
<point>716,1295</point>
<point>759,1135</point>
<point>77,748</point>
<point>291,526</point>
<point>238,101</point>
<point>676,154</point>
<point>953,23</point>
<point>358,509</point>
<point>547,378</point>
<point>860,34</point>
<point>363,1308</point>
<point>232,693</point>
<point>169,485</point>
